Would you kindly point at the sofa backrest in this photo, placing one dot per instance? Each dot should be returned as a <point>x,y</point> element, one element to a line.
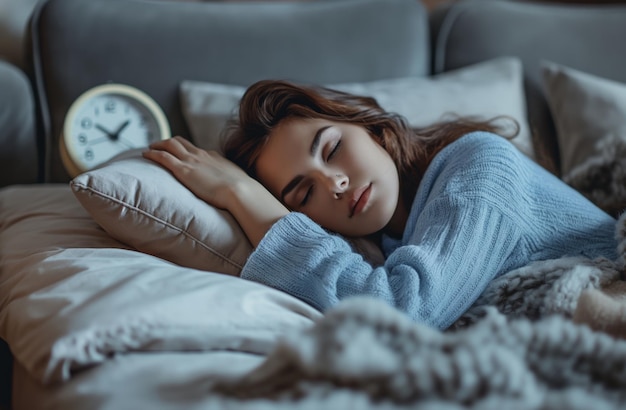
<point>154,45</point>
<point>18,156</point>
<point>586,37</point>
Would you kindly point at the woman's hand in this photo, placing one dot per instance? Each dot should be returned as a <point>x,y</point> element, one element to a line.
<point>207,174</point>
<point>220,183</point>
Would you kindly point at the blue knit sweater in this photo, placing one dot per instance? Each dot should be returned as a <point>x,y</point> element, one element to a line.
<point>482,209</point>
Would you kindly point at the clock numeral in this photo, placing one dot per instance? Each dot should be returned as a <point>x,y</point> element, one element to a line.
<point>96,111</point>
<point>142,121</point>
<point>82,138</point>
<point>109,106</point>
<point>89,155</point>
<point>149,135</point>
<point>86,123</point>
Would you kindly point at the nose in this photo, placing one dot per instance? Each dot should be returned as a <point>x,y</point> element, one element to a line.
<point>338,184</point>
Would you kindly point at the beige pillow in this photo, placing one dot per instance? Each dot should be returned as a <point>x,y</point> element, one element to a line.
<point>590,117</point>
<point>73,297</point>
<point>487,90</point>
<point>142,204</point>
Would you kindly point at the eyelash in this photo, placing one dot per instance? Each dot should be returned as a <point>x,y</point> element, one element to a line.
<point>309,192</point>
<point>334,151</point>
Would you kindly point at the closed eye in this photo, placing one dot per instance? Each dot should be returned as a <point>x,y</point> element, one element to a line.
<point>334,150</point>
<point>307,196</point>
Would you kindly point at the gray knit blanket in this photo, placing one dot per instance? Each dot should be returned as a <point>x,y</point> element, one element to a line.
<point>516,348</point>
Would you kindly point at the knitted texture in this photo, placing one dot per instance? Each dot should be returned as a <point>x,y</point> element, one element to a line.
<point>481,210</point>
<point>543,288</point>
<point>602,177</point>
<point>371,356</point>
<point>515,349</point>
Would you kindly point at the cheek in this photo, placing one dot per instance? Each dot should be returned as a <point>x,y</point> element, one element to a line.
<point>272,177</point>
<point>374,161</point>
<point>326,212</point>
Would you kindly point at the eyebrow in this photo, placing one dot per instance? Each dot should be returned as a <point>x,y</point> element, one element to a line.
<point>298,178</point>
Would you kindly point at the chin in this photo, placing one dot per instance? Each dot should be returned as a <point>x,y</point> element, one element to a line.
<point>368,226</point>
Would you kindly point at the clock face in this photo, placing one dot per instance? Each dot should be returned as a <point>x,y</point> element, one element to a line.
<point>106,121</point>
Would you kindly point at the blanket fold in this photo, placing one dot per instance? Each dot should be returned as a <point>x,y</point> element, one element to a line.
<point>379,356</point>
<point>518,347</point>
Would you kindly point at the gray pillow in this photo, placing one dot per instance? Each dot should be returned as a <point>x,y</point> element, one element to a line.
<point>590,117</point>
<point>487,90</point>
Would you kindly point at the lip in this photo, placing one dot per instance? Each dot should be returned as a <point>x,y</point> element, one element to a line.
<point>360,199</point>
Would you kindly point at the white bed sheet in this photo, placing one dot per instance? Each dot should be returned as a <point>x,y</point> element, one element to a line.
<point>134,381</point>
<point>72,298</point>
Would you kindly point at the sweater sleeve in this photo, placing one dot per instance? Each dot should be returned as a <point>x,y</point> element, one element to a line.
<point>455,250</point>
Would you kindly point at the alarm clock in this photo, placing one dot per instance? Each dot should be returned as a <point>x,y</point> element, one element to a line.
<point>107,120</point>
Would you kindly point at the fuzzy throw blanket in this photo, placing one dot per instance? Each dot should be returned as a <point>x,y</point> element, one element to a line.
<point>525,344</point>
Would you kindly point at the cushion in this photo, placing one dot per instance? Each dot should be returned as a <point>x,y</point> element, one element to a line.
<point>590,117</point>
<point>18,157</point>
<point>141,204</point>
<point>74,297</point>
<point>487,89</point>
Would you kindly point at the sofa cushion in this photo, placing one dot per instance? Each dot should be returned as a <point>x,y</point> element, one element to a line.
<point>590,116</point>
<point>486,90</point>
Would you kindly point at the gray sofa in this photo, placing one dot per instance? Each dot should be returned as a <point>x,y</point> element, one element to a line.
<point>73,45</point>
<point>70,47</point>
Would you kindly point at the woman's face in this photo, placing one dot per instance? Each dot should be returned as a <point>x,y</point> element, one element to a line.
<point>333,172</point>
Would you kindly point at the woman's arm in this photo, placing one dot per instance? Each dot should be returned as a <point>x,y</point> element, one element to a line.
<point>457,248</point>
<point>221,183</point>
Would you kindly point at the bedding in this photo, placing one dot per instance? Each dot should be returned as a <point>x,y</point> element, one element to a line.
<point>73,297</point>
<point>517,347</point>
<point>116,296</point>
<point>367,356</point>
<point>136,380</point>
<point>76,320</point>
<point>604,309</point>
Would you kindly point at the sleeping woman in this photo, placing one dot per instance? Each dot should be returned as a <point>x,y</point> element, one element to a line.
<point>452,206</point>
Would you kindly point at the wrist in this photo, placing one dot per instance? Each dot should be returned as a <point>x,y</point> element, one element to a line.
<point>242,192</point>
<point>254,208</point>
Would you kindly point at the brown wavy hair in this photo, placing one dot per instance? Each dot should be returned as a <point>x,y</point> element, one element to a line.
<point>268,102</point>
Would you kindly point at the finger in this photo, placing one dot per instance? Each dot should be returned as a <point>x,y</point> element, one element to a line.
<point>163,158</point>
<point>165,142</point>
<point>185,142</point>
<point>171,145</point>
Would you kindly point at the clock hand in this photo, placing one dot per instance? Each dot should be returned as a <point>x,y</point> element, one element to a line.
<point>116,134</point>
<point>99,140</point>
<point>107,132</point>
<point>124,125</point>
